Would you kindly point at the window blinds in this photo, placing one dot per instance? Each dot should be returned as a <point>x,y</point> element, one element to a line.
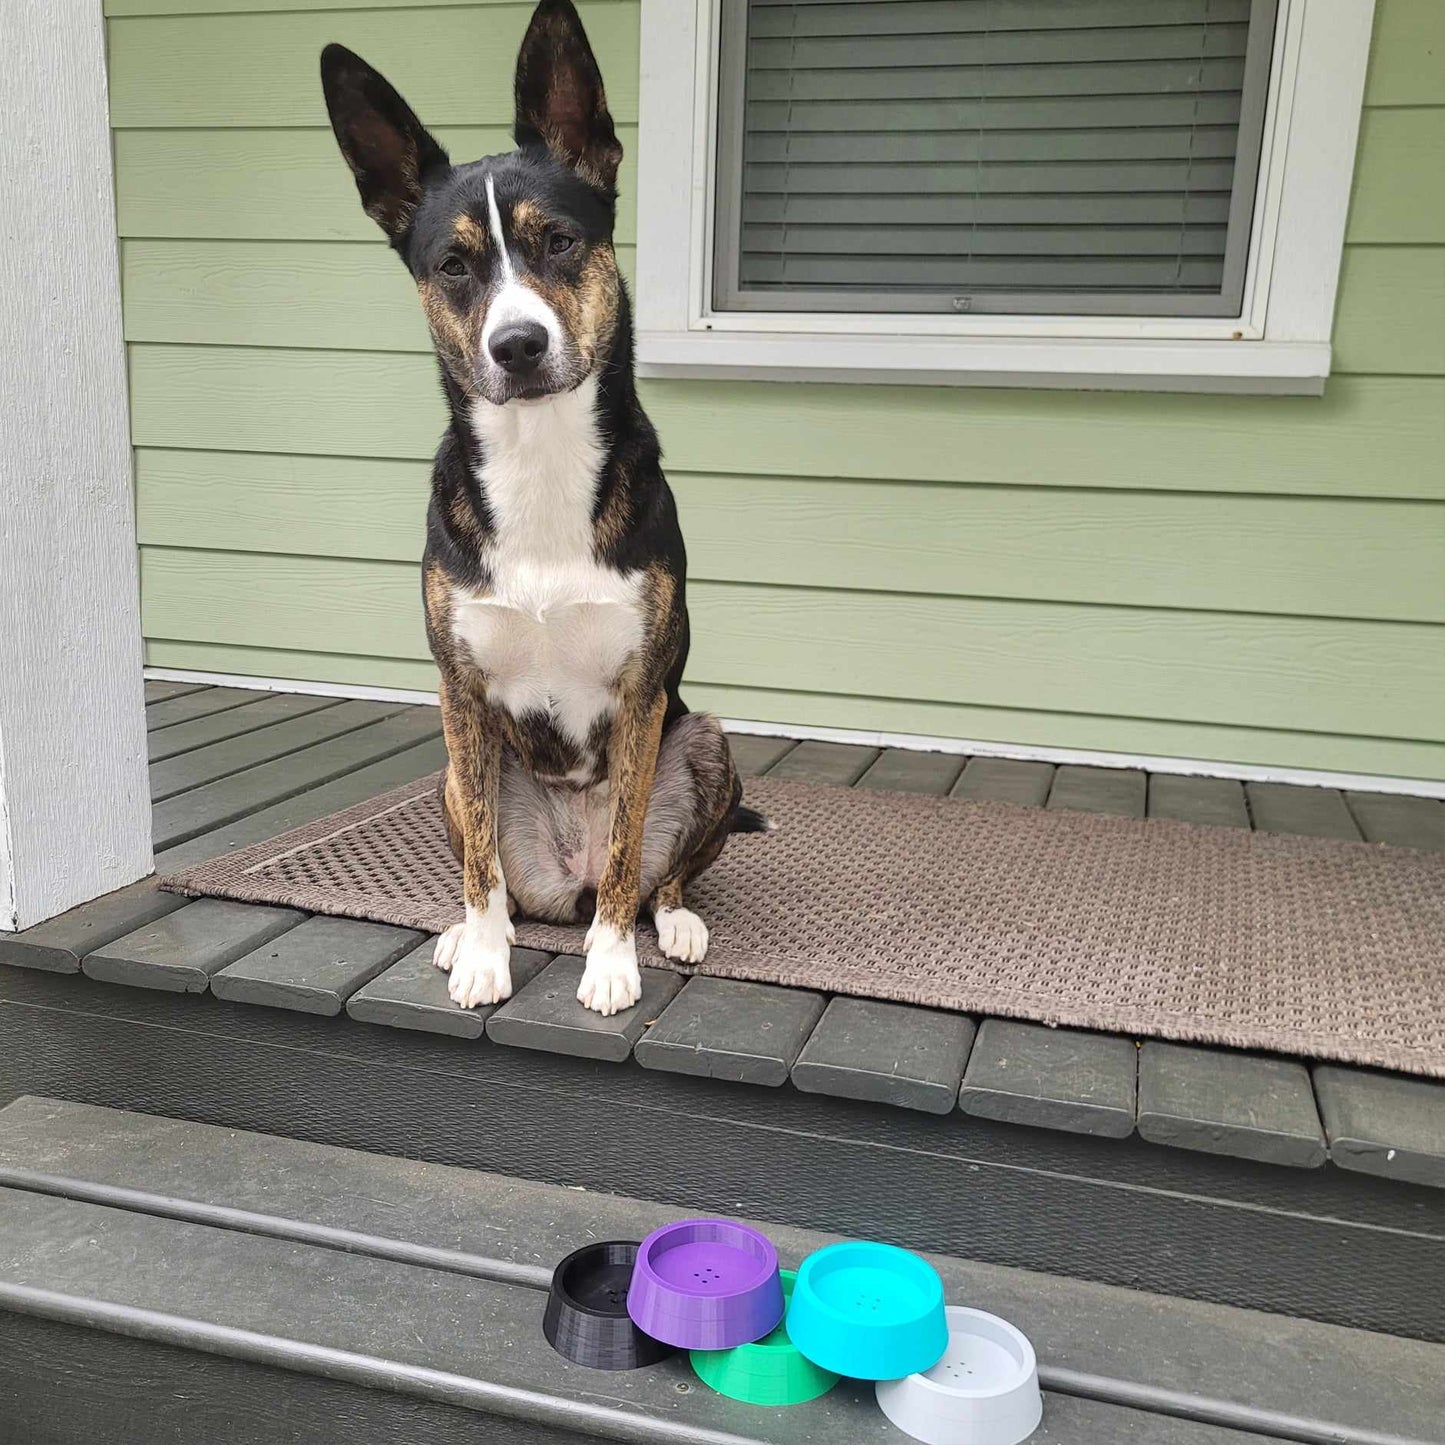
<point>1020,155</point>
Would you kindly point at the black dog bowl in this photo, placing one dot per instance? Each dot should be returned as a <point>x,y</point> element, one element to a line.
<point>587,1320</point>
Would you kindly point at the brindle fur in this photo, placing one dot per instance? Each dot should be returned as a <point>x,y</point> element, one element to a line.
<point>562,176</point>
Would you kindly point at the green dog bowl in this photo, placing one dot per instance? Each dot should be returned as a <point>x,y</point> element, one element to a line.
<point>770,1372</point>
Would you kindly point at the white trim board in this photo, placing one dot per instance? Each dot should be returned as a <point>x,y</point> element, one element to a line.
<point>911,742</point>
<point>75,817</point>
<point>1280,342</point>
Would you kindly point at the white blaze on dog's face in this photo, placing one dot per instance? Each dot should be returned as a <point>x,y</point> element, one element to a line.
<point>512,255</point>
<point>519,323</point>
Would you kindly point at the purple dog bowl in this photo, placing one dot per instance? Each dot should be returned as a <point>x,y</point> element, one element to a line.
<point>706,1284</point>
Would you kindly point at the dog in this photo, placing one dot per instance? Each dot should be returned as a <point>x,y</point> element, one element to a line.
<point>578,785</point>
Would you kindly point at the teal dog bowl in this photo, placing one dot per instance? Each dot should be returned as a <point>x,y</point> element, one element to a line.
<point>869,1311</point>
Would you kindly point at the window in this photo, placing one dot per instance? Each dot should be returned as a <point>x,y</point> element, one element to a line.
<point>1064,192</point>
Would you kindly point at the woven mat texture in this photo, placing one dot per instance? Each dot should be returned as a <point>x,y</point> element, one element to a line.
<point>1308,946</point>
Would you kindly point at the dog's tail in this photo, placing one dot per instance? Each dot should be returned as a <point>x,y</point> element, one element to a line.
<point>749,820</point>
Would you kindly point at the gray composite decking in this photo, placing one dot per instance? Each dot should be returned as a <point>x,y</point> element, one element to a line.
<point>1077,1154</point>
<point>229,783</point>
<point>164,1279</point>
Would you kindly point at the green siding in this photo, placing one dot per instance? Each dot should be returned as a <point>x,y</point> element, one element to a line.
<point>1248,579</point>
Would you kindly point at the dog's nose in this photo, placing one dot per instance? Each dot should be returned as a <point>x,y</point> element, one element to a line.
<point>519,346</point>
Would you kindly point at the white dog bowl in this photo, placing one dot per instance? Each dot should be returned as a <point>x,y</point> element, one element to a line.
<point>984,1391</point>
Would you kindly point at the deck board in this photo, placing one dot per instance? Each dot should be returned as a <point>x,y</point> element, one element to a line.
<point>158,691</point>
<point>412,994</point>
<point>1383,1124</point>
<point>203,809</point>
<point>1005,780</point>
<point>401,1213</point>
<point>545,1014</point>
<point>59,944</point>
<point>754,755</point>
<point>886,1053</point>
<point>1403,821</point>
<point>200,732</point>
<point>1234,1104</point>
<point>722,1028</point>
<point>1313,812</point>
<point>264,821</point>
<point>840,764</point>
<point>1120,791</point>
<point>314,967</point>
<point>201,703</point>
<point>901,770</point>
<point>1218,802</point>
<point>1024,1073</point>
<point>1225,1102</point>
<point>181,951</point>
<point>235,754</point>
<point>256,1297</point>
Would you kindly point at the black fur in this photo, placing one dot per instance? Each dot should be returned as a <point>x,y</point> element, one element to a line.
<point>748,820</point>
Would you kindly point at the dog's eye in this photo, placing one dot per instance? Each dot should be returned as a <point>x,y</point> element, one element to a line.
<point>454,266</point>
<point>560,243</point>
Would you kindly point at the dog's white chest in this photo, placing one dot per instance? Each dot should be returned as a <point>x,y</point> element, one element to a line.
<point>556,630</point>
<point>553,640</point>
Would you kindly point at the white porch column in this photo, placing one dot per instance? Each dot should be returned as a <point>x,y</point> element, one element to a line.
<point>74,812</point>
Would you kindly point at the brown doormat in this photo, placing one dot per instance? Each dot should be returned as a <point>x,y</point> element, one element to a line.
<point>1307,946</point>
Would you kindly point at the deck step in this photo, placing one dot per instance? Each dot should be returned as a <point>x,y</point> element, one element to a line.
<point>1067,1079</point>
<point>1117,1211</point>
<point>150,1240</point>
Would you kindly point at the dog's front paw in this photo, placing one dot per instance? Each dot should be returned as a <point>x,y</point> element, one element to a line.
<point>477,956</point>
<point>611,980</point>
<point>681,934</point>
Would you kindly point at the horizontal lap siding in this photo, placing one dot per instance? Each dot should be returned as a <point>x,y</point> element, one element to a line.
<point>1252,579</point>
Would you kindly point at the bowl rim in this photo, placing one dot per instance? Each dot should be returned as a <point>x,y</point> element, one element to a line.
<point>1027,1361</point>
<point>887,1259</point>
<point>761,1250</point>
<point>567,1300</point>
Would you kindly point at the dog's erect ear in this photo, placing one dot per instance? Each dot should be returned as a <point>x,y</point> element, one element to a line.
<point>386,146</point>
<point>560,100</point>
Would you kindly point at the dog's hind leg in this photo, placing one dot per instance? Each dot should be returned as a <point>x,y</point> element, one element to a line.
<point>689,816</point>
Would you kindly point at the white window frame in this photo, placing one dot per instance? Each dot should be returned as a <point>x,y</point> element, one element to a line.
<point>1279,344</point>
